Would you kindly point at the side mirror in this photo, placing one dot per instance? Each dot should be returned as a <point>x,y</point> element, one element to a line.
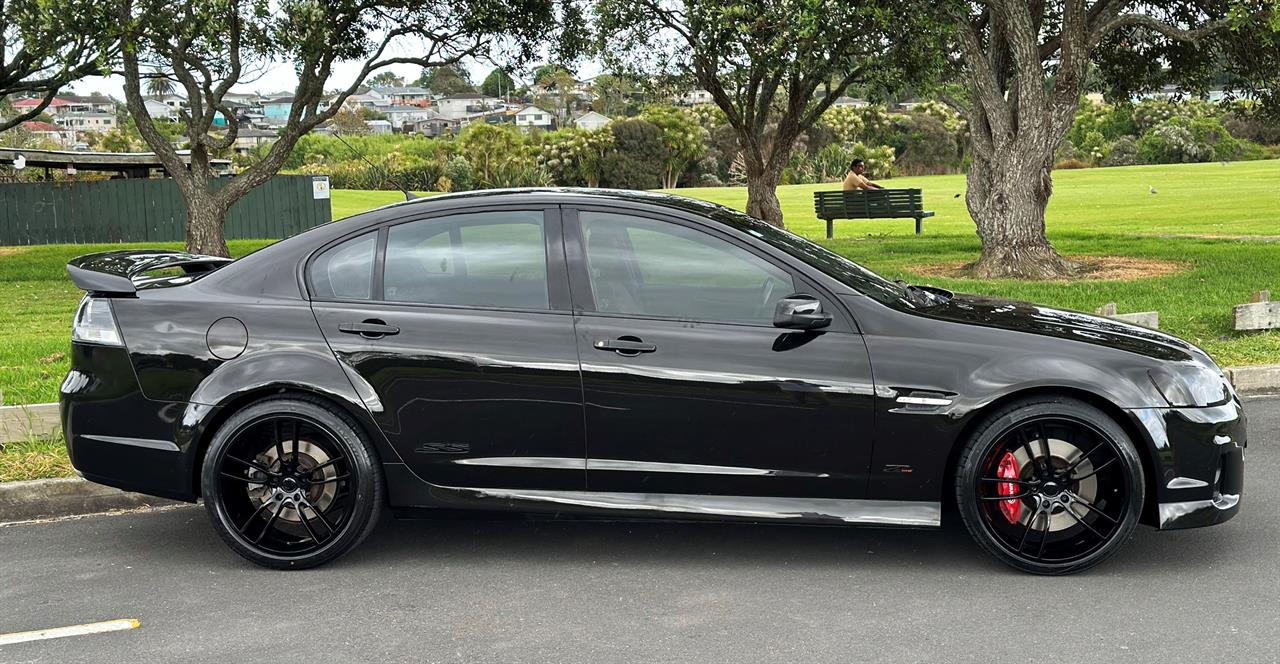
<point>800,312</point>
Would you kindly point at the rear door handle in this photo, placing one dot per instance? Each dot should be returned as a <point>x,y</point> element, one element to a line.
<point>369,329</point>
<point>629,346</point>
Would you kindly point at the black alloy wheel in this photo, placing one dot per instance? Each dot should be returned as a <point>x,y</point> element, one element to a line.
<point>290,483</point>
<point>1051,486</point>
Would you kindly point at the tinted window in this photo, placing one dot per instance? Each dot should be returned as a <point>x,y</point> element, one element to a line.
<point>648,267</point>
<point>491,259</point>
<point>345,271</point>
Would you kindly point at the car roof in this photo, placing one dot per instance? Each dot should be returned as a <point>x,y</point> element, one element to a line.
<point>560,195</point>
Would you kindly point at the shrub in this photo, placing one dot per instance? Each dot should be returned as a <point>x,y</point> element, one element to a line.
<point>1122,152</point>
<point>636,162</point>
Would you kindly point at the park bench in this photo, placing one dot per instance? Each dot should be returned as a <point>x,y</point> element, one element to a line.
<point>870,204</point>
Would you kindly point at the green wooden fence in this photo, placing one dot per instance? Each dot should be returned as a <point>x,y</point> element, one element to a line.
<point>142,210</point>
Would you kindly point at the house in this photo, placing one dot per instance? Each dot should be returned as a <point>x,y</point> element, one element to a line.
<point>693,98</point>
<point>531,117</point>
<point>248,139</point>
<point>48,131</point>
<point>469,103</point>
<point>277,110</point>
<point>88,121</point>
<point>157,109</point>
<point>908,104</point>
<point>431,127</point>
<point>368,99</point>
<point>94,103</point>
<point>850,102</point>
<point>400,115</point>
<point>590,120</point>
<point>378,126</point>
<point>404,95</point>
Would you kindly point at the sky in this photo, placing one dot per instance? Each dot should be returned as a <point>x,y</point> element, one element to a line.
<point>280,77</point>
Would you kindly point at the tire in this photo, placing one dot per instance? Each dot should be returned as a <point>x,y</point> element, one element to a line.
<point>291,483</point>
<point>1056,468</point>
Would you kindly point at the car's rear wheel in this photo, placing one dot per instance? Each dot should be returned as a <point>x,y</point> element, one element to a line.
<point>1050,486</point>
<point>291,483</point>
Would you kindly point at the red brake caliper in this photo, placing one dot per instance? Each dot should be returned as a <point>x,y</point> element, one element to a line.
<point>1008,470</point>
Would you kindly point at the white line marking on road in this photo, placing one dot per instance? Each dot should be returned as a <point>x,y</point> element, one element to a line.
<point>74,630</point>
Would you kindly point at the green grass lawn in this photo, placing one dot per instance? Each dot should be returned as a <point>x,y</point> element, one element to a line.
<point>1220,222</point>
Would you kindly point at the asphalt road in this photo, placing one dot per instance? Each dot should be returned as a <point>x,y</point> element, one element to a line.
<point>517,591</point>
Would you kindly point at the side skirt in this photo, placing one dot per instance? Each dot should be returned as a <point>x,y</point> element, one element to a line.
<point>668,505</point>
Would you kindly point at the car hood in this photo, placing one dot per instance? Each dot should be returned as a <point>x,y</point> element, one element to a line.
<point>1064,324</point>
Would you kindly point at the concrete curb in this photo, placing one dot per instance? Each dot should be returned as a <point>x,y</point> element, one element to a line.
<point>1263,379</point>
<point>71,496</point>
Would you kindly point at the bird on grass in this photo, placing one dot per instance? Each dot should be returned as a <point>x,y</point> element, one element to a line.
<point>1152,189</point>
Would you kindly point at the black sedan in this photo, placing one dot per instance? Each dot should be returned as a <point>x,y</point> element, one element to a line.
<point>629,354</point>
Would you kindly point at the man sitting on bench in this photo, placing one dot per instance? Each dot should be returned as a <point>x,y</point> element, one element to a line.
<point>855,179</point>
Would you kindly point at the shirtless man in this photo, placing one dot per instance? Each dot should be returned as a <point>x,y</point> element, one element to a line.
<point>855,179</point>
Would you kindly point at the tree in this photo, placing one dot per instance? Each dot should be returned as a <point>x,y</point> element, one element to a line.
<point>349,123</point>
<point>763,61</point>
<point>682,136</point>
<point>46,44</point>
<point>387,79</point>
<point>159,85</point>
<point>209,47</point>
<point>636,160</point>
<point>560,90</point>
<point>498,83</point>
<point>613,94</point>
<point>1022,69</point>
<point>446,79</point>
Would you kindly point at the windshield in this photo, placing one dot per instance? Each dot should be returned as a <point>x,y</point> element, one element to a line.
<point>842,269</point>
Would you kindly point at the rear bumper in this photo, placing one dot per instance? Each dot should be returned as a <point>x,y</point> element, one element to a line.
<point>1199,463</point>
<point>116,436</point>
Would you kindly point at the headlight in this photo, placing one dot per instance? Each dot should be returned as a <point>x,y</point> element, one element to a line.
<point>1186,386</point>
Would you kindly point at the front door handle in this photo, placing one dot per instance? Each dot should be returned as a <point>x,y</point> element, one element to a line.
<point>627,346</point>
<point>371,328</point>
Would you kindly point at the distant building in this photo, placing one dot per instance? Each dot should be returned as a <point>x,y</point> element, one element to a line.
<point>531,117</point>
<point>248,139</point>
<point>432,127</point>
<point>850,102</point>
<point>378,126</point>
<point>91,121</point>
<point>49,132</point>
<point>277,110</point>
<point>470,103</point>
<point>168,107</point>
<point>404,95</point>
<point>399,115</point>
<point>694,97</point>
<point>590,120</point>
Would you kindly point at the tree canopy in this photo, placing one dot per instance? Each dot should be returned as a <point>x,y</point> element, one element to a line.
<point>764,61</point>
<point>446,79</point>
<point>46,44</point>
<point>209,47</point>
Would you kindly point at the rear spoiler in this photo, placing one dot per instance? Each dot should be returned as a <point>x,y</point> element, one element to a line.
<point>112,272</point>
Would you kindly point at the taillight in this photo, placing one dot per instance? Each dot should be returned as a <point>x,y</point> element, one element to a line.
<point>95,323</point>
<point>1008,470</point>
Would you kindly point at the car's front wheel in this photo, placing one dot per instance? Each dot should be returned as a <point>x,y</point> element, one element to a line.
<point>1050,486</point>
<point>291,483</point>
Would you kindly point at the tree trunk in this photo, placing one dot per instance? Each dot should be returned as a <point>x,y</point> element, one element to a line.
<point>204,227</point>
<point>1008,191</point>
<point>762,192</point>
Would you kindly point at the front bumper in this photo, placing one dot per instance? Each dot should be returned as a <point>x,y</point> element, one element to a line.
<point>1198,459</point>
